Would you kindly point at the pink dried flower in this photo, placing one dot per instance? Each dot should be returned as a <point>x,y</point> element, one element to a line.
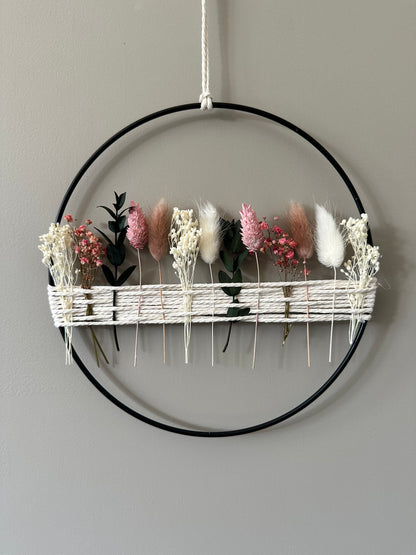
<point>88,222</point>
<point>301,230</point>
<point>137,232</point>
<point>69,218</point>
<point>251,232</point>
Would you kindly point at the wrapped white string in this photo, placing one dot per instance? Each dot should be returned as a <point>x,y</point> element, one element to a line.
<point>319,307</point>
<point>205,98</point>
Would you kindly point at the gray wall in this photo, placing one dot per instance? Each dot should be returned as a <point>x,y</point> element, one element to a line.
<point>77,475</point>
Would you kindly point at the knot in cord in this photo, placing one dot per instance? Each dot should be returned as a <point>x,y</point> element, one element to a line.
<point>205,99</point>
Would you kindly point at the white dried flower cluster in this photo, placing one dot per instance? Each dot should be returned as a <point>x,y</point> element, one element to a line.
<point>184,244</point>
<point>58,248</point>
<point>362,266</point>
<point>184,239</point>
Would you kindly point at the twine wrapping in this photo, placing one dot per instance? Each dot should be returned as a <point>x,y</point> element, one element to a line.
<point>319,307</point>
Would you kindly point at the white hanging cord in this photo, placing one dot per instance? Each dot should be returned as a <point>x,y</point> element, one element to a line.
<point>205,98</point>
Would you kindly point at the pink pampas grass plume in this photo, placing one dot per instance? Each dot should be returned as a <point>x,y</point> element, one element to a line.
<point>253,239</point>
<point>301,231</point>
<point>159,227</point>
<point>137,234</point>
<point>330,249</point>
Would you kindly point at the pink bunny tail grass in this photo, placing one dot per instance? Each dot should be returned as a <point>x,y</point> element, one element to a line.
<point>251,233</point>
<point>257,315</point>
<point>159,227</point>
<point>253,239</point>
<point>301,231</point>
<point>137,232</point>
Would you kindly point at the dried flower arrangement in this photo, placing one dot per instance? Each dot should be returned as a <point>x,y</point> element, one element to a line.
<point>301,231</point>
<point>209,249</point>
<point>232,256</point>
<point>330,249</point>
<point>116,251</point>
<point>58,248</point>
<point>361,267</point>
<point>159,226</point>
<point>184,237</point>
<point>74,255</point>
<point>252,237</point>
<point>137,235</point>
<point>282,248</point>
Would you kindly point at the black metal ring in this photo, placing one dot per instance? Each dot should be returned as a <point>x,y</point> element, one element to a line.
<point>358,203</point>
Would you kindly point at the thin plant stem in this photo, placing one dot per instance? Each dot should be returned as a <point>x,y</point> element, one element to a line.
<point>213,315</point>
<point>332,319</point>
<point>114,312</point>
<point>230,327</point>
<point>307,313</point>
<point>97,344</point>
<point>138,307</point>
<point>95,341</point>
<point>163,314</point>
<point>257,314</point>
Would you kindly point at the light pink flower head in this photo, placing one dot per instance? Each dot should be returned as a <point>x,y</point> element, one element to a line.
<point>251,233</point>
<point>137,232</point>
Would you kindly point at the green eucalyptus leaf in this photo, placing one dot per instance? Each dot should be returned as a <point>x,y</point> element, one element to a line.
<point>234,291</point>
<point>113,226</point>
<point>237,243</point>
<point>112,214</point>
<point>241,257</point>
<point>121,237</point>
<point>121,222</point>
<point>243,311</point>
<point>116,254</point>
<point>223,277</point>
<point>237,277</point>
<point>125,275</point>
<point>227,260</point>
<point>233,311</point>
<point>121,200</point>
<point>108,275</point>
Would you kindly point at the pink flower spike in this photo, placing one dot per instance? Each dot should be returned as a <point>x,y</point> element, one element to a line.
<point>137,232</point>
<point>251,233</point>
<point>69,218</point>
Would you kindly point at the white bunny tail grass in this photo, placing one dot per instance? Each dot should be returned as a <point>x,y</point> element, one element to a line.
<point>209,249</point>
<point>330,246</point>
<point>330,249</point>
<point>210,241</point>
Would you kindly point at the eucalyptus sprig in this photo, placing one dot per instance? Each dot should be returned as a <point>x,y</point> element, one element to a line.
<point>232,255</point>
<point>116,251</point>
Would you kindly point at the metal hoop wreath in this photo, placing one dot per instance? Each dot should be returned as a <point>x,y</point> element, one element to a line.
<point>262,114</point>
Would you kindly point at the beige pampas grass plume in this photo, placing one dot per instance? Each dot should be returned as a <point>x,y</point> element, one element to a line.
<point>209,249</point>
<point>159,227</point>
<point>301,231</point>
<point>330,249</point>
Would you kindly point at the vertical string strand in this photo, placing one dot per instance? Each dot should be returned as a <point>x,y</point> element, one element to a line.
<point>205,98</point>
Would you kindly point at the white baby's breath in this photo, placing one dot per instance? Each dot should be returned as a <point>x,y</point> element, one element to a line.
<point>59,256</point>
<point>361,267</point>
<point>184,239</point>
